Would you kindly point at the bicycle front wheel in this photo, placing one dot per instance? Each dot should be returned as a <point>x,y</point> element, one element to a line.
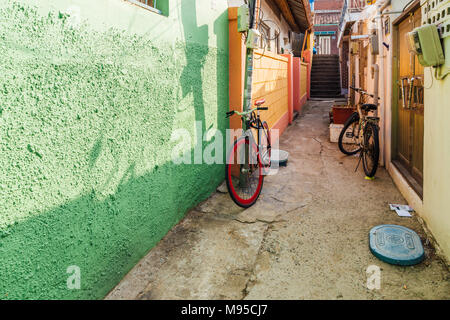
<point>243,173</point>
<point>265,148</point>
<point>371,151</point>
<point>349,137</point>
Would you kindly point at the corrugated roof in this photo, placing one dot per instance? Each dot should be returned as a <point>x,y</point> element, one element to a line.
<point>302,13</point>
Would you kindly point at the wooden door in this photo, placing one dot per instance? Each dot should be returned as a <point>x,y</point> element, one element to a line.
<point>409,144</point>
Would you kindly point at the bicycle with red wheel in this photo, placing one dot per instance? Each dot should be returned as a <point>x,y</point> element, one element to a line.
<point>249,159</point>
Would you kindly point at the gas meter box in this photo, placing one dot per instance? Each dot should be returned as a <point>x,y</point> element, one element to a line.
<point>354,47</point>
<point>253,37</point>
<point>243,18</point>
<point>424,41</point>
<point>374,48</point>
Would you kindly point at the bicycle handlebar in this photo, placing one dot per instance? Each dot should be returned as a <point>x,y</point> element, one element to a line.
<point>363,92</point>
<point>244,113</point>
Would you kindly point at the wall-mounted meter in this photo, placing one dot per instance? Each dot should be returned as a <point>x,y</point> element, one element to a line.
<point>354,47</point>
<point>374,47</point>
<point>243,18</point>
<point>253,37</point>
<point>425,43</point>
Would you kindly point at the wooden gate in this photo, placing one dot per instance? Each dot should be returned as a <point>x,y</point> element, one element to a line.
<point>408,120</point>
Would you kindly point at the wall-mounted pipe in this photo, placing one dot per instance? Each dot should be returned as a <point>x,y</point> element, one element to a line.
<point>382,89</point>
<point>376,72</point>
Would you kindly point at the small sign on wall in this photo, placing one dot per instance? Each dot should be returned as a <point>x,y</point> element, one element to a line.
<point>387,25</point>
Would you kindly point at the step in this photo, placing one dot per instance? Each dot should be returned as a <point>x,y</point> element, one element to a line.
<point>325,93</point>
<point>325,68</point>
<point>325,79</point>
<point>330,72</point>
<point>325,72</point>
<point>325,56</point>
<point>316,89</point>
<point>325,84</point>
<point>325,65</point>
<point>325,60</point>
<point>328,61</point>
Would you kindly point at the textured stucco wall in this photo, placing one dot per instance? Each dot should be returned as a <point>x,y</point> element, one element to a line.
<point>88,102</point>
<point>436,171</point>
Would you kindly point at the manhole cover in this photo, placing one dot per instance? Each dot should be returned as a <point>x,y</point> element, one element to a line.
<point>280,157</point>
<point>396,245</point>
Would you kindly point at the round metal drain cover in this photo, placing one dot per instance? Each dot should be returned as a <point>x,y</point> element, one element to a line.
<point>396,245</point>
<point>280,157</point>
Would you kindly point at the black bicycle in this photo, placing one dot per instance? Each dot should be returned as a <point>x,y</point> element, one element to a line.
<point>360,134</point>
<point>249,160</point>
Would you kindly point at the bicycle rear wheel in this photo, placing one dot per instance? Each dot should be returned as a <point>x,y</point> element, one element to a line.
<point>244,178</point>
<point>349,137</point>
<point>371,151</point>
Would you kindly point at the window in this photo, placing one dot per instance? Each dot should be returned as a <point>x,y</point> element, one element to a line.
<point>277,43</point>
<point>158,6</point>
<point>265,36</point>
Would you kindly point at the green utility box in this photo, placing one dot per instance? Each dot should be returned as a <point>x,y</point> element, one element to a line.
<point>243,18</point>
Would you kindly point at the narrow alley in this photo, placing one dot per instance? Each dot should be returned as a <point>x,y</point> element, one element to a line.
<point>305,238</point>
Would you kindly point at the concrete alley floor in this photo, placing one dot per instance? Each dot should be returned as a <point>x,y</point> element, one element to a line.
<point>305,238</point>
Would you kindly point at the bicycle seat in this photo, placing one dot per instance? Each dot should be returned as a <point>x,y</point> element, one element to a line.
<point>259,102</point>
<point>369,107</point>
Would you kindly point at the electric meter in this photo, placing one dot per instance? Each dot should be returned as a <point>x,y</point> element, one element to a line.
<point>253,37</point>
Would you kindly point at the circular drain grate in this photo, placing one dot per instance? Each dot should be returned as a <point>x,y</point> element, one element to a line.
<point>396,245</point>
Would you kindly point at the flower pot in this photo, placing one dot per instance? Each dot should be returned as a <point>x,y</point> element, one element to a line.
<point>341,113</point>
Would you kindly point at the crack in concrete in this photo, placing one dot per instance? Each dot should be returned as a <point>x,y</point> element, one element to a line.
<point>252,277</point>
<point>321,145</point>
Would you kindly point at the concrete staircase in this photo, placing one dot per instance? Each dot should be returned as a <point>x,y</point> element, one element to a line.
<point>325,78</point>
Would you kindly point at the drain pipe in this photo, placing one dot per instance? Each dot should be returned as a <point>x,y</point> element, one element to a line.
<point>382,88</point>
<point>376,73</point>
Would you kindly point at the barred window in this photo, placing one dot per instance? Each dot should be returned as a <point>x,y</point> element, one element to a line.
<point>151,5</point>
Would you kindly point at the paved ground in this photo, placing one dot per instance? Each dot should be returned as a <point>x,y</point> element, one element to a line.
<point>305,238</point>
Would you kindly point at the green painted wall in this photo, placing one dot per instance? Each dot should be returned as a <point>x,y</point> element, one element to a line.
<point>88,102</point>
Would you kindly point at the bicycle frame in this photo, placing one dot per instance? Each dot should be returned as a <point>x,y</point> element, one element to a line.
<point>363,117</point>
<point>250,121</point>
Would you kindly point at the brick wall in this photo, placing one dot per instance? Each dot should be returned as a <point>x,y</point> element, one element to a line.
<point>328,4</point>
<point>270,81</point>
<point>328,21</point>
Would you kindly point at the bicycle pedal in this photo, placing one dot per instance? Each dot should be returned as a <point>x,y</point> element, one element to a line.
<point>369,178</point>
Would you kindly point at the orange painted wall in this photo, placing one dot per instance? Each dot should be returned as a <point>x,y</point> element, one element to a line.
<point>307,57</point>
<point>300,81</point>
<point>296,83</point>
<point>270,79</point>
<point>236,67</point>
<point>303,82</point>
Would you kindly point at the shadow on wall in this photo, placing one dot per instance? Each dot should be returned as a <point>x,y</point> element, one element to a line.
<point>100,117</point>
<point>195,52</point>
<point>104,239</point>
